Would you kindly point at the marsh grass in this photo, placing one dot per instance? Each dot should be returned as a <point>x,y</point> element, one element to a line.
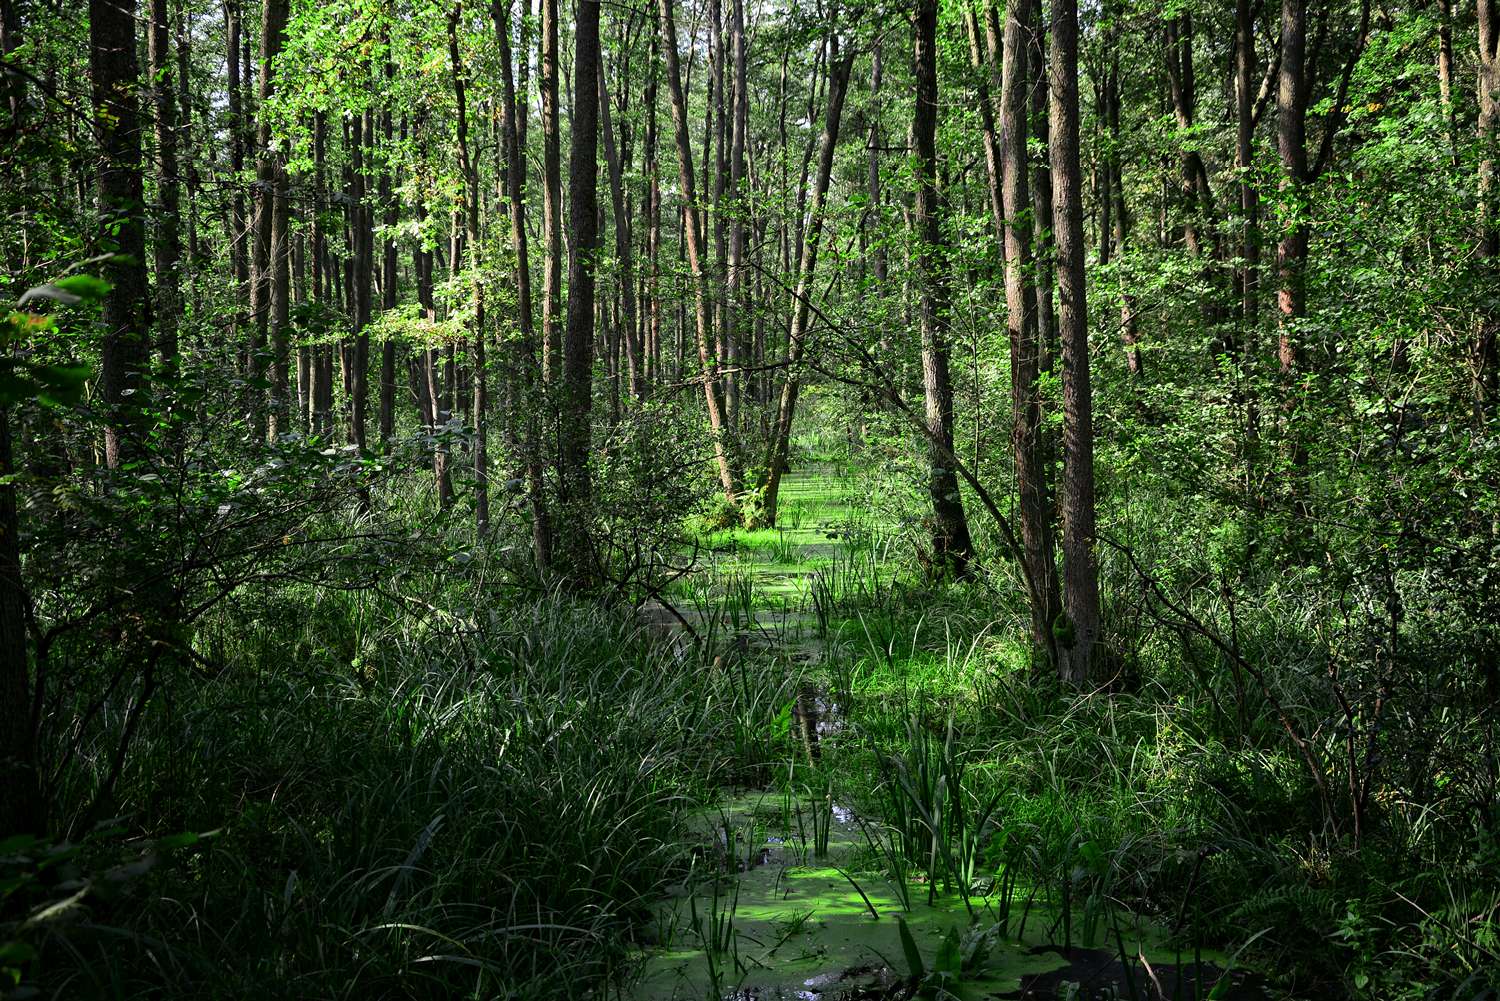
<point>455,810</point>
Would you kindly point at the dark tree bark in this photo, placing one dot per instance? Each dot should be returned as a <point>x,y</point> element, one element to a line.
<point>167,247</point>
<point>469,171</point>
<point>21,805</point>
<point>271,280</point>
<point>115,78</point>
<point>526,349</point>
<point>1487,340</point>
<point>1027,440</point>
<point>552,254</point>
<point>578,343</point>
<point>1079,632</point>
<point>239,236</point>
<point>952,549</point>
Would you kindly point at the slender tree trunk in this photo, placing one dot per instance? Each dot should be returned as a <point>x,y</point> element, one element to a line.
<point>551,199</point>
<point>1249,280</point>
<point>167,246</point>
<point>1487,340</point>
<point>738,205</point>
<point>125,356</point>
<point>729,477</point>
<point>578,345</point>
<point>270,291</point>
<point>21,805</point>
<point>362,267</point>
<point>952,549</point>
<point>526,349</point>
<point>624,255</point>
<point>469,171</point>
<point>776,461</point>
<point>1080,633</point>
<point>388,270</point>
<point>239,250</point>
<point>1027,440</point>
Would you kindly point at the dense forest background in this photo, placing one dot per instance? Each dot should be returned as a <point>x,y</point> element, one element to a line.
<point>382,382</point>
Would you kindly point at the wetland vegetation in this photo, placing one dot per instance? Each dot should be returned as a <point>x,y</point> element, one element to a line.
<point>956,499</point>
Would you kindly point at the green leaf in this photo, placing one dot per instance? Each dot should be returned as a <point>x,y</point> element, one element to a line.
<point>85,287</point>
<point>909,947</point>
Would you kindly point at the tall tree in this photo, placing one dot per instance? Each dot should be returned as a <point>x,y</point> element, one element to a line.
<point>125,353</point>
<point>167,246</point>
<point>468,169</point>
<point>776,460</point>
<point>952,549</point>
<point>1079,631</point>
<point>693,238</point>
<point>1010,58</point>
<point>552,208</point>
<point>525,352</point>
<point>578,343</point>
<point>1487,340</point>
<point>271,279</point>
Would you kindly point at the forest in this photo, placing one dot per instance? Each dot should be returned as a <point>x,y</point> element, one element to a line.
<point>738,500</point>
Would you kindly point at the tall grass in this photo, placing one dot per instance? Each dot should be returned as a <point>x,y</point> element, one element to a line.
<point>417,809</point>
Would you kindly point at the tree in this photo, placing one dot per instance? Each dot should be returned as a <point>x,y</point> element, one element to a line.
<point>729,477</point>
<point>167,246</point>
<point>1486,361</point>
<point>125,352</point>
<point>1026,348</point>
<point>578,344</point>
<point>1078,632</point>
<point>776,459</point>
<point>951,548</point>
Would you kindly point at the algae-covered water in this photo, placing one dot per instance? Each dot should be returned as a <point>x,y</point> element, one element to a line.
<point>787,897</point>
<point>765,918</point>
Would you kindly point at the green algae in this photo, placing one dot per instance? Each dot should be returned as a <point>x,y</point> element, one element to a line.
<point>796,927</point>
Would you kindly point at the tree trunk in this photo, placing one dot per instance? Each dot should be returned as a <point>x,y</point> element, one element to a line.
<point>776,461</point>
<point>1487,340</point>
<point>388,270</point>
<point>693,237</point>
<point>1080,630</point>
<point>1027,440</point>
<point>952,549</point>
<point>361,266</point>
<point>270,291</point>
<point>127,315</point>
<point>525,353</point>
<point>167,247</point>
<point>21,805</point>
<point>578,344</point>
<point>623,250</point>
<point>551,198</point>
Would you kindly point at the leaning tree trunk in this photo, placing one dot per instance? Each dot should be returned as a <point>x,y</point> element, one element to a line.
<point>776,461</point>
<point>952,549</point>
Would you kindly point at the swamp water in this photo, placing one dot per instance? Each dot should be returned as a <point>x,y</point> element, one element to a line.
<point>785,900</point>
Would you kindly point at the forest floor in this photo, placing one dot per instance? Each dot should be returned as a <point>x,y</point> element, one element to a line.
<point>800,888</point>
